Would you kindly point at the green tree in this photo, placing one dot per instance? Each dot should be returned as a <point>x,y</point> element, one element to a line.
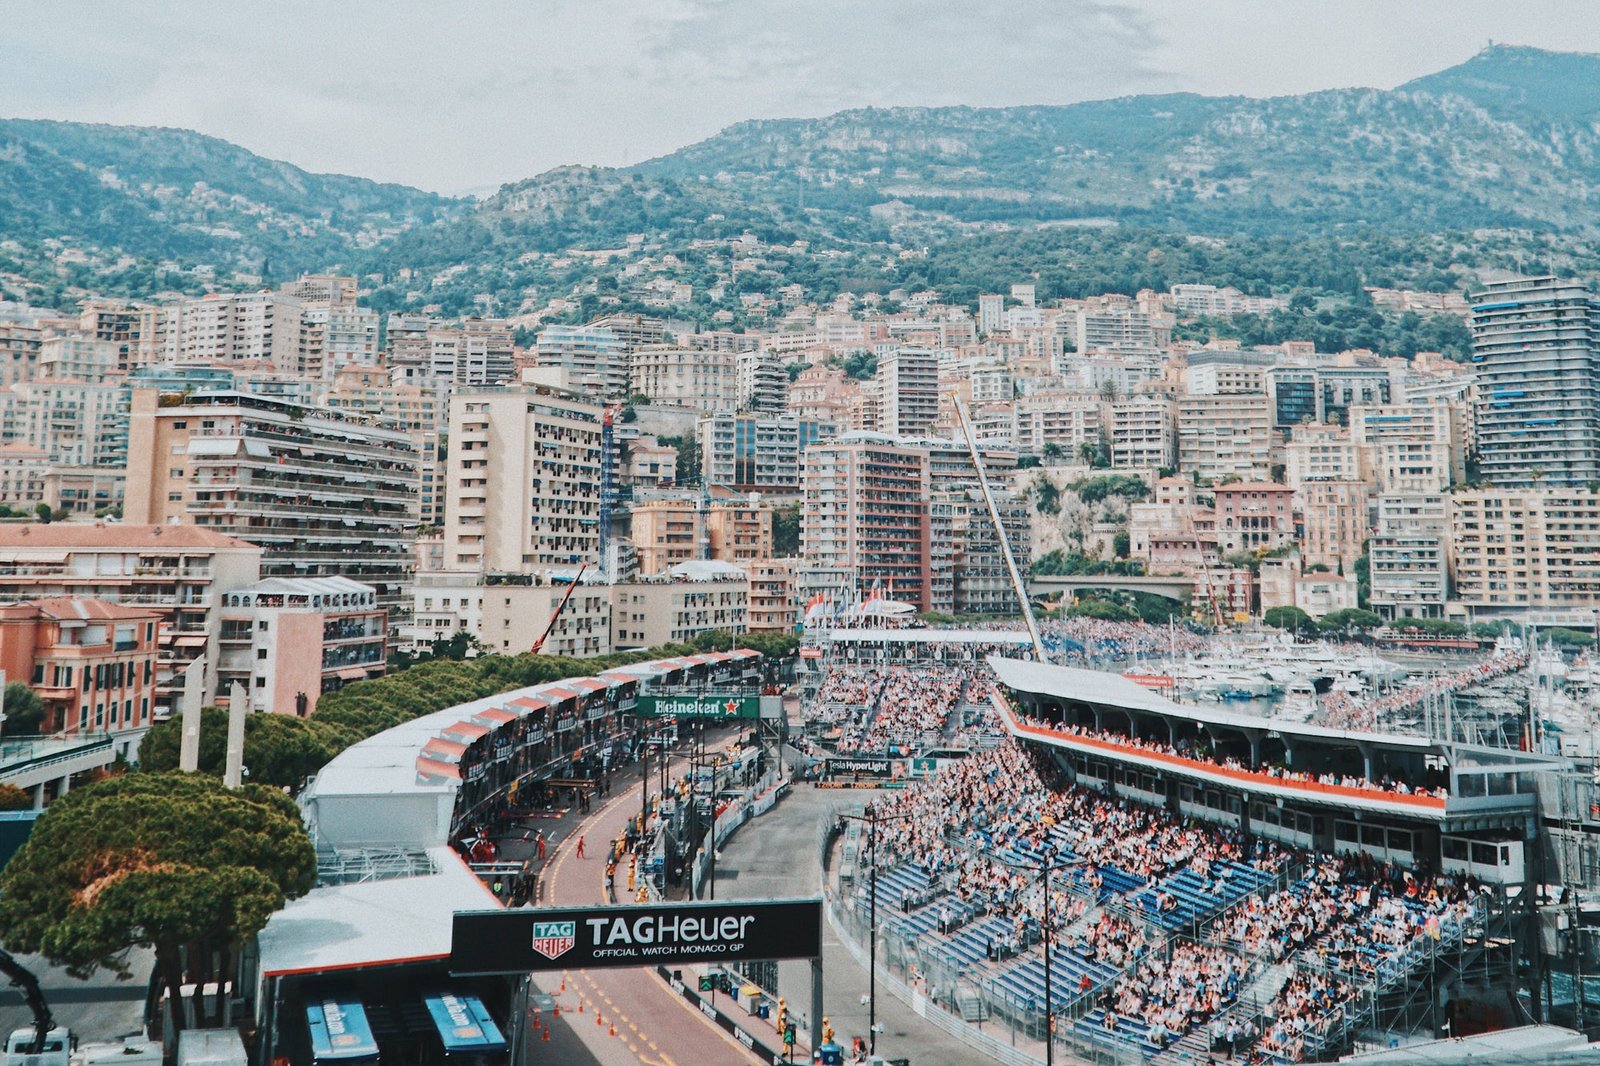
<point>1353,618</point>
<point>786,531</point>
<point>172,862</point>
<point>44,513</point>
<point>1121,544</point>
<point>1292,619</point>
<point>279,749</point>
<point>13,798</point>
<point>23,708</point>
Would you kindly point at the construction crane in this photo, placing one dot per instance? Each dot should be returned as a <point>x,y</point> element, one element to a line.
<point>555,616</point>
<point>608,480</point>
<point>1000,533</point>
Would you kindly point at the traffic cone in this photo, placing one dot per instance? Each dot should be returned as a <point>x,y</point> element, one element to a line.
<point>613,1030</point>
<point>580,1006</point>
<point>558,1010</point>
<point>546,1033</point>
<point>599,1020</point>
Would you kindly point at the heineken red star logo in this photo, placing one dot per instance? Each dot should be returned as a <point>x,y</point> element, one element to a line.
<point>732,707</point>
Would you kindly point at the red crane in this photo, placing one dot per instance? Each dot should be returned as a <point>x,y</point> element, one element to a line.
<point>556,615</point>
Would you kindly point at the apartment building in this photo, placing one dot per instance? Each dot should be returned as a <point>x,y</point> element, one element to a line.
<point>19,352</point>
<point>672,531</point>
<point>908,391</point>
<point>23,469</point>
<point>120,324</point>
<point>1414,447</point>
<point>92,663</point>
<point>597,359</point>
<point>981,584</point>
<point>754,453</point>
<point>323,495</point>
<point>1254,516</point>
<point>1143,433</point>
<point>1536,346</point>
<point>523,480</point>
<point>288,640</point>
<point>1526,554</point>
<point>76,357</point>
<point>179,571</point>
<point>507,613</point>
<point>1319,451</point>
<point>865,514</point>
<point>1070,421</point>
<point>76,423</point>
<point>774,595</point>
<point>1334,523</point>
<point>1407,556</point>
<point>244,327</point>
<point>1227,435</point>
<point>693,598</point>
<point>763,383</point>
<point>83,490</point>
<point>702,380</point>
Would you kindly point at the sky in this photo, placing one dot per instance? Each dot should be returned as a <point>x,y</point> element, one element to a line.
<point>460,97</point>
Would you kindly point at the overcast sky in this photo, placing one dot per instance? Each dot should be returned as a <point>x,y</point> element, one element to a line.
<point>462,96</point>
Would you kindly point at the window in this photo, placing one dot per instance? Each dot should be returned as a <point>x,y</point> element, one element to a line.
<point>261,653</point>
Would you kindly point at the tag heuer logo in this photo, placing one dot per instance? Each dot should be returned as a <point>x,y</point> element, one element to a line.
<point>553,939</point>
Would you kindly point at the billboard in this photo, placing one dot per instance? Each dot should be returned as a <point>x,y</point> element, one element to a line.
<point>666,934</point>
<point>699,707</point>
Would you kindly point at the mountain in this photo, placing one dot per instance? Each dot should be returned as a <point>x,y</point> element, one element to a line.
<point>174,194</point>
<point>1508,138</point>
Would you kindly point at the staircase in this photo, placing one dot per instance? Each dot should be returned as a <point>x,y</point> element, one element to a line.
<point>1252,1002</point>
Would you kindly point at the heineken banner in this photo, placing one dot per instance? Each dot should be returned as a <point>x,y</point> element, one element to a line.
<point>665,934</point>
<point>699,707</point>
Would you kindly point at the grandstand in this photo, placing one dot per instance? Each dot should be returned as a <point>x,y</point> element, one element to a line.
<point>1224,883</point>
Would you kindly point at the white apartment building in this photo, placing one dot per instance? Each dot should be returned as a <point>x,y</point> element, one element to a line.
<point>908,391</point>
<point>76,357</point>
<point>1144,433</point>
<point>1068,420</point>
<point>1319,451</point>
<point>691,599</point>
<point>596,358</point>
<point>523,480</point>
<point>1407,556</point>
<point>763,383</point>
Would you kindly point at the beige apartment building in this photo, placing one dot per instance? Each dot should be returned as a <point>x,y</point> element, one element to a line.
<point>522,480</point>
<point>668,532</point>
<point>774,595</point>
<point>705,381</point>
<point>1322,451</point>
<point>690,599</point>
<point>1334,517</point>
<point>1225,436</point>
<point>508,613</point>
<point>1526,554</point>
<point>322,494</point>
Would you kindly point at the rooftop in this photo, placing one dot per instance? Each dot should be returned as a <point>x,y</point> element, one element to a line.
<point>114,535</point>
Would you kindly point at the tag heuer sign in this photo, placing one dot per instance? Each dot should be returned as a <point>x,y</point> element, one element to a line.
<point>554,939</point>
<point>664,934</point>
<point>699,707</point>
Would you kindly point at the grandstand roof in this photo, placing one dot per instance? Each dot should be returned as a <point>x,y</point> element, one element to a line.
<point>930,636</point>
<point>1113,690</point>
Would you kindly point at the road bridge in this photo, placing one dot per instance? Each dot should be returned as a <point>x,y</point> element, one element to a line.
<point>1173,587</point>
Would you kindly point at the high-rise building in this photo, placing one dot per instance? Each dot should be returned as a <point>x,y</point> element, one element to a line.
<point>865,515</point>
<point>323,495</point>
<point>1334,518</point>
<point>763,383</point>
<point>1407,556</point>
<point>908,391</point>
<point>523,480</point>
<point>596,358</point>
<point>1536,343</point>
<point>981,584</point>
<point>1143,433</point>
<point>1224,436</point>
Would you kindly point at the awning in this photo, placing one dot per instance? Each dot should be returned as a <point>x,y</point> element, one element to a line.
<point>352,673</point>
<point>558,694</point>
<point>496,716</point>
<point>529,703</point>
<point>433,768</point>
<point>339,1030</point>
<point>200,642</point>
<point>469,730</point>
<point>588,684</point>
<point>464,1024</point>
<point>444,750</point>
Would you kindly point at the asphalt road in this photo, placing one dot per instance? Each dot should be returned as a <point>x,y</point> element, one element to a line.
<point>99,1010</point>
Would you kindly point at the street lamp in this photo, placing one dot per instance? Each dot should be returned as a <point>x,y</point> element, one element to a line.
<point>1044,869</point>
<point>870,818</point>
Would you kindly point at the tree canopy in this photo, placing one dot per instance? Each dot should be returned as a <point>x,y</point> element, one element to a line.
<point>166,861</point>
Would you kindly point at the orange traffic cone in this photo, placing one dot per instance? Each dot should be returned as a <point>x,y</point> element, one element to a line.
<point>558,1010</point>
<point>546,1033</point>
<point>613,1030</point>
<point>580,1006</point>
<point>599,1020</point>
